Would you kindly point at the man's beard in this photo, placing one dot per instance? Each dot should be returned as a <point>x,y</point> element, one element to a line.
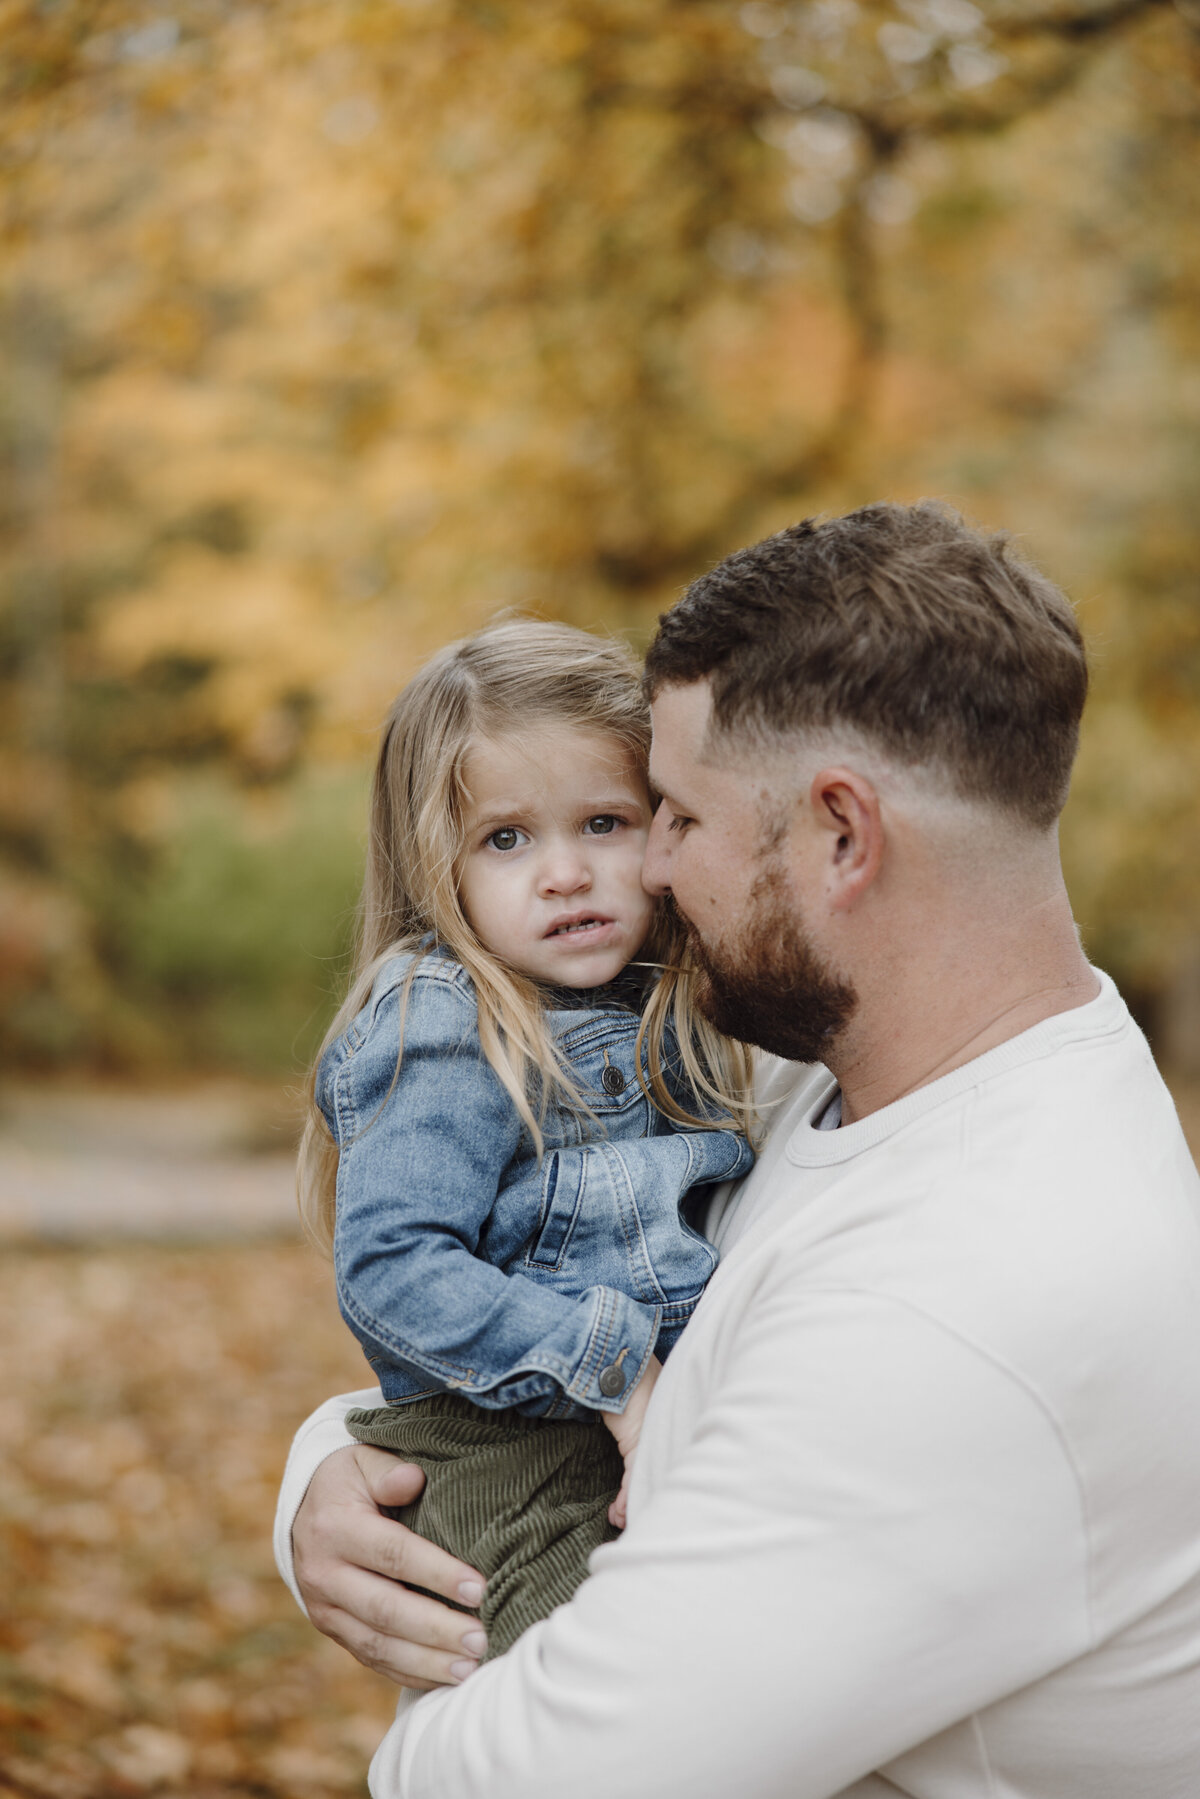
<point>768,985</point>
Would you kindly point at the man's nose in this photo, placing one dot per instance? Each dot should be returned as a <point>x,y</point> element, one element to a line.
<point>657,861</point>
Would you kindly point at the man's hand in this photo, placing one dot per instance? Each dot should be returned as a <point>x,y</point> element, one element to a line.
<point>626,1427</point>
<point>349,1560</point>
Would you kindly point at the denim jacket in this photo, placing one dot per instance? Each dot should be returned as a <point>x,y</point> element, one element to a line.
<point>461,1261</point>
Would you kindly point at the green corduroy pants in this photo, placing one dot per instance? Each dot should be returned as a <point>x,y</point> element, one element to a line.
<point>524,1500</point>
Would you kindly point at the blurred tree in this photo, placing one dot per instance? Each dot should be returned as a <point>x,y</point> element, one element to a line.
<point>332,330</point>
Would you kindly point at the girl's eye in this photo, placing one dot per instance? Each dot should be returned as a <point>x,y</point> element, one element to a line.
<point>602,825</point>
<point>506,838</point>
<point>679,822</point>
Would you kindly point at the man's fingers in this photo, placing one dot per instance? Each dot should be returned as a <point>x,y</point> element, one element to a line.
<point>407,1663</point>
<point>413,1640</point>
<point>383,1608</point>
<point>340,1520</point>
<point>349,1560</point>
<point>382,1545</point>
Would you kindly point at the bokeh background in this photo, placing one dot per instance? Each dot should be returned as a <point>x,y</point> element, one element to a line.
<point>327,332</point>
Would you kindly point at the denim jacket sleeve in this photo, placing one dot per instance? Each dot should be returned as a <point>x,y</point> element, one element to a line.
<point>419,1169</point>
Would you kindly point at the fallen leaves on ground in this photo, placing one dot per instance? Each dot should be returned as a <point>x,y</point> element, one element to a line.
<point>147,1398</point>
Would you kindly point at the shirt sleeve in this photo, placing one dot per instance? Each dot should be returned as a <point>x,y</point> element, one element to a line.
<point>422,1150</point>
<point>321,1434</point>
<point>872,1532</point>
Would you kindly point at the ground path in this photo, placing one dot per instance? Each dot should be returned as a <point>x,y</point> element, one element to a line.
<point>209,1162</point>
<point>151,1375</point>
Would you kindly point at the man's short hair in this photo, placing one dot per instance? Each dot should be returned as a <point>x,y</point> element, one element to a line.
<point>931,639</point>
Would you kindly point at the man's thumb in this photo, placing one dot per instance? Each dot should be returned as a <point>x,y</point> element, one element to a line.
<point>389,1480</point>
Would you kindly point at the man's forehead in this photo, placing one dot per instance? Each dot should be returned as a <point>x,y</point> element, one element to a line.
<point>694,765</point>
<point>680,716</point>
<point>694,774</point>
<point>686,752</point>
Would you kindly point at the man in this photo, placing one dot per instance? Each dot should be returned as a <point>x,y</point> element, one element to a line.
<point>917,1504</point>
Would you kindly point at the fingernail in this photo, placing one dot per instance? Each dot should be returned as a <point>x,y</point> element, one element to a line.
<point>460,1670</point>
<point>474,1642</point>
<point>471,1592</point>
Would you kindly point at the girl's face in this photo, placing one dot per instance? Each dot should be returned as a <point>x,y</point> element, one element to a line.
<point>556,828</point>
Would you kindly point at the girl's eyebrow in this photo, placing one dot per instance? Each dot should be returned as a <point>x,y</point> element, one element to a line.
<point>501,814</point>
<point>508,813</point>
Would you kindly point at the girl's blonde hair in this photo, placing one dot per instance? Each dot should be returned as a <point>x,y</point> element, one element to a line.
<point>503,680</point>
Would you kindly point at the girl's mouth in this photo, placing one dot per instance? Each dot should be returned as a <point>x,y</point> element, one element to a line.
<point>578,927</point>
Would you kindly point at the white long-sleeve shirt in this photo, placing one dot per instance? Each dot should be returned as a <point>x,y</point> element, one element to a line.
<point>917,1504</point>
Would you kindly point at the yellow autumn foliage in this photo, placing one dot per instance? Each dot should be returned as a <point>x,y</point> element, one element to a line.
<point>331,331</point>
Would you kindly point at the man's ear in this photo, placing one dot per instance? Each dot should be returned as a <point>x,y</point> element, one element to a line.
<point>845,807</point>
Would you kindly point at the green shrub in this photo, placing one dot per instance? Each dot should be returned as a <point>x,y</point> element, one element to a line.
<point>235,940</point>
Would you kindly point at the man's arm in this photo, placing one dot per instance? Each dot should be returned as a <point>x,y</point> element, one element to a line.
<point>873,1533</point>
<point>344,1561</point>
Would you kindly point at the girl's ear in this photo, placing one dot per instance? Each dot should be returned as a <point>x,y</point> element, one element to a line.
<point>845,810</point>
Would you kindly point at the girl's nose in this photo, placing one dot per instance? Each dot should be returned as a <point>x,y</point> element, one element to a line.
<point>564,870</point>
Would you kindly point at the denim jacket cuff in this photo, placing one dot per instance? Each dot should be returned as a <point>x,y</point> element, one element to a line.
<point>621,1344</point>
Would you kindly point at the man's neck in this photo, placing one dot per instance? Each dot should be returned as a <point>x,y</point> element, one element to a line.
<point>936,1012</point>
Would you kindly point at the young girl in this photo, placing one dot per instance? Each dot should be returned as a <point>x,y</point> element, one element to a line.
<point>513,1106</point>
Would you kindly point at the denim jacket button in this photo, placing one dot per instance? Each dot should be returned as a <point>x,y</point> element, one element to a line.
<point>611,1381</point>
<point>613,1082</point>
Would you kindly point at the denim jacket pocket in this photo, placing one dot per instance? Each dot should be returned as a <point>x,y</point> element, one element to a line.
<point>600,1053</point>
<point>562,1190</point>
